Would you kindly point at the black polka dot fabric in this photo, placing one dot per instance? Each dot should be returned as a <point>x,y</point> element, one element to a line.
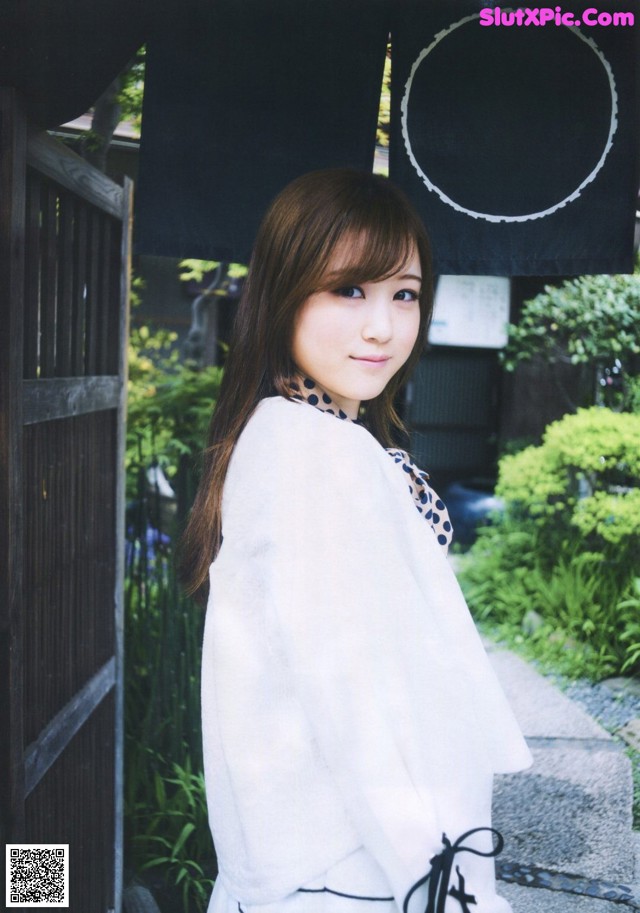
<point>427,502</point>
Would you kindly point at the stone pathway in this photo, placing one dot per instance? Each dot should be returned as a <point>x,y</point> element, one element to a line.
<point>567,821</point>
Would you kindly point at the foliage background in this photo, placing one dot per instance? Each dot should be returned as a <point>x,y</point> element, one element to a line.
<point>557,573</point>
<point>167,838</point>
<point>592,324</point>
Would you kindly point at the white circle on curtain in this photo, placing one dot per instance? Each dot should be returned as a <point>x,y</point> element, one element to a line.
<point>509,124</point>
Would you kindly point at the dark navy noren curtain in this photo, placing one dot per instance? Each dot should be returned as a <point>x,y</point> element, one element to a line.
<point>518,144</point>
<point>242,96</point>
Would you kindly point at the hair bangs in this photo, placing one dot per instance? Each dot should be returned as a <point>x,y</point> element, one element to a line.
<point>369,253</point>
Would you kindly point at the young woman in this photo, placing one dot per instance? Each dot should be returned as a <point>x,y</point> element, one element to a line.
<point>352,723</point>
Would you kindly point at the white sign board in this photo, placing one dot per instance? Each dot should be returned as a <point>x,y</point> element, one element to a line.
<point>471,311</point>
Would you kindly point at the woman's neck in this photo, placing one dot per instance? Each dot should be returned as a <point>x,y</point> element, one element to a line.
<point>307,389</point>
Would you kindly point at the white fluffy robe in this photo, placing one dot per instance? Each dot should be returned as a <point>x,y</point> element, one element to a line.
<point>347,700</point>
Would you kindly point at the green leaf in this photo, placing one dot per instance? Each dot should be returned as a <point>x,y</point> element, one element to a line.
<point>184,834</point>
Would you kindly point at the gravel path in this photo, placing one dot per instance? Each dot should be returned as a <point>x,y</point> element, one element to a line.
<point>614,703</point>
<point>613,709</point>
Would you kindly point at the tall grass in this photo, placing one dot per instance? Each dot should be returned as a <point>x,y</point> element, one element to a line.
<point>166,829</point>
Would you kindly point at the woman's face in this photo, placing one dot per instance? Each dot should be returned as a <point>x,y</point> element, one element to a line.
<point>353,340</point>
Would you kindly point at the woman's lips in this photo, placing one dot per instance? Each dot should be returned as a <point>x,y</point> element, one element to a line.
<point>372,359</point>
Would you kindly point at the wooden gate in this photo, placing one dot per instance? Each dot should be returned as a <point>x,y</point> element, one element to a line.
<point>64,255</point>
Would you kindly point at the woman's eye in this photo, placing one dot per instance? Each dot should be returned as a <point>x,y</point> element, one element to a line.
<point>349,291</point>
<point>406,294</point>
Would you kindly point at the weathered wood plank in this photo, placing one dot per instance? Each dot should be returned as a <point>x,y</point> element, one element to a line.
<point>32,276</point>
<point>49,282</point>
<point>113,329</point>
<point>52,398</point>
<point>69,559</point>
<point>64,322</point>
<point>108,298</point>
<point>72,172</point>
<point>124,263</point>
<point>12,242</point>
<point>54,738</point>
<point>93,295</point>
<point>79,290</point>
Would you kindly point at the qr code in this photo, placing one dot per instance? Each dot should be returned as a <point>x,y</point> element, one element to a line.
<point>37,875</point>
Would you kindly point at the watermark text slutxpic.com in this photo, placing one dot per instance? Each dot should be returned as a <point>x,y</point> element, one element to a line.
<point>554,15</point>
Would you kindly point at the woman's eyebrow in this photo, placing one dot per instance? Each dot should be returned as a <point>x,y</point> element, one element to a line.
<point>411,276</point>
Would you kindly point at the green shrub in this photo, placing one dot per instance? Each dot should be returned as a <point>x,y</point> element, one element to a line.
<point>588,320</point>
<point>633,393</point>
<point>580,484</point>
<point>591,323</point>
<point>565,553</point>
<point>169,408</point>
<point>613,518</point>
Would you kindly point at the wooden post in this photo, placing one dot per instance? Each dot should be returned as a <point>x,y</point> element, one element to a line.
<point>12,219</point>
<point>125,278</point>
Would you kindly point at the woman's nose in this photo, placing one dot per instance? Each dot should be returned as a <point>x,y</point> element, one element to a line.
<point>378,324</point>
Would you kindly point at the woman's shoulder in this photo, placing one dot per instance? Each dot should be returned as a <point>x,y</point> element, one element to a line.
<point>279,408</point>
<point>278,420</point>
<point>287,435</point>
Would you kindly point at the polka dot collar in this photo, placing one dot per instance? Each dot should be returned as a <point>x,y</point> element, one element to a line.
<point>427,502</point>
<point>313,394</point>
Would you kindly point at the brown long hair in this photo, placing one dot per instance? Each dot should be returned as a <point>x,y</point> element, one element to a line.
<point>293,248</point>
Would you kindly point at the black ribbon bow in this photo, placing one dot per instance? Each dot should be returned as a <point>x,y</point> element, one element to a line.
<point>439,876</point>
